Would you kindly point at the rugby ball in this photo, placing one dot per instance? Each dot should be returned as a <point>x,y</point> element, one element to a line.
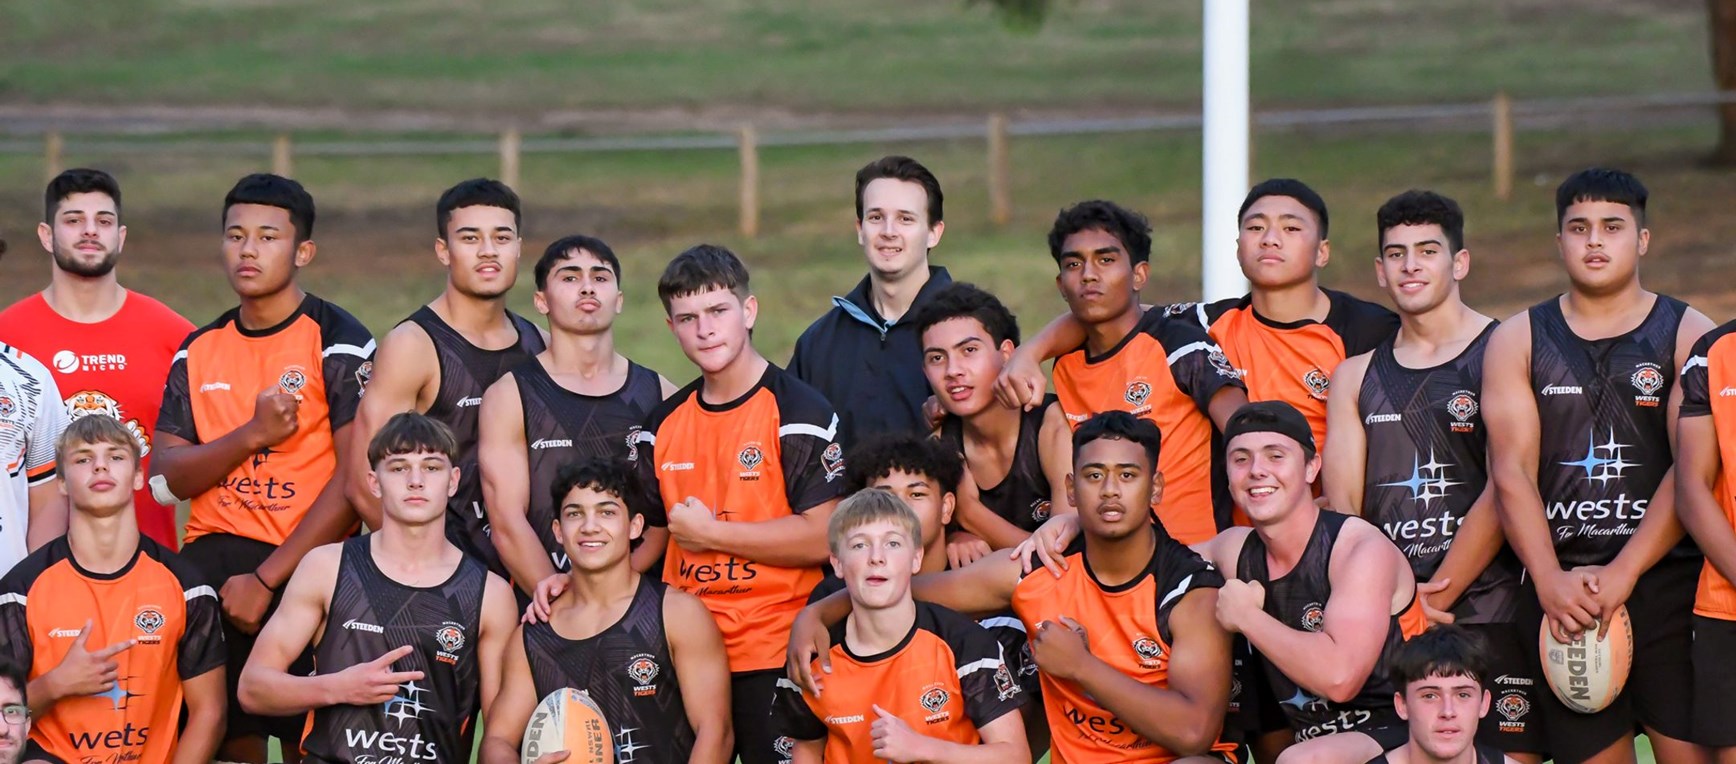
<point>568,720</point>
<point>1587,674</point>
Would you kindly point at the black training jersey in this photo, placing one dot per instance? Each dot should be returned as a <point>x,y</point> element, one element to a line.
<point>1427,463</point>
<point>562,427</point>
<point>628,671</point>
<point>429,720</point>
<point>1022,497</point>
<point>465,372</point>
<point>1298,600</point>
<point>1605,438</point>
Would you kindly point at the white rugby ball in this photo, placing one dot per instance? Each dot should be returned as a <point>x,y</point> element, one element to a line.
<point>568,720</point>
<point>1587,673</point>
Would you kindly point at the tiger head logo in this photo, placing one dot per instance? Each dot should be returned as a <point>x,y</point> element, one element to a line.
<point>1648,379</point>
<point>935,699</point>
<point>1512,706</point>
<point>750,457</point>
<point>1137,394</point>
<point>1314,617</point>
<point>1317,383</point>
<point>1463,405</point>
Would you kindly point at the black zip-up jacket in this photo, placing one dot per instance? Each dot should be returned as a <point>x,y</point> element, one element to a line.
<point>870,370</point>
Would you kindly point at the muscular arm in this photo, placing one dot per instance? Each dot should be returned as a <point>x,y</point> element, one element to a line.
<point>1335,662</point>
<point>499,622</point>
<point>792,542</point>
<point>194,468</point>
<point>406,372</point>
<point>982,522</point>
<point>1510,412</point>
<point>1055,451</point>
<point>1345,473</point>
<point>267,687</point>
<point>329,519</point>
<point>207,700</point>
<point>504,722</point>
<point>1697,465</point>
<point>984,586</point>
<point>48,517</point>
<point>1187,716</point>
<point>696,647</point>
<point>1224,403</point>
<point>1474,546</point>
<point>505,461</point>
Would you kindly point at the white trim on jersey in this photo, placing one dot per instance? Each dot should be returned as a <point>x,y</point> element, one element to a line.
<point>828,434</point>
<point>202,590</point>
<point>12,598</point>
<point>347,349</point>
<point>1178,591</point>
<point>986,663</point>
<point>1698,360</point>
<point>1185,350</point>
<point>1002,622</point>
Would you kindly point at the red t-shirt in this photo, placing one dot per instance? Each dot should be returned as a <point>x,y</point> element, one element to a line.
<point>115,367</point>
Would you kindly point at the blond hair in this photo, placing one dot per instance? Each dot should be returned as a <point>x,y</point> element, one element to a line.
<point>871,505</point>
<point>94,429</point>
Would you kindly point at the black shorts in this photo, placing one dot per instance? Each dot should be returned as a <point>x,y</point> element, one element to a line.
<point>1660,685</point>
<point>750,703</point>
<point>1254,709</point>
<point>1714,682</point>
<point>1514,723</point>
<point>220,557</point>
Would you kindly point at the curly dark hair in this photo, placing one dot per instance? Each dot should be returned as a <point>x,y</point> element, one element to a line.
<point>879,456</point>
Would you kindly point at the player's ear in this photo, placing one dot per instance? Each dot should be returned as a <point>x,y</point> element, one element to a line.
<point>620,301</point>
<point>374,482</point>
<point>1323,255</point>
<point>1007,348</point>
<point>1461,264</point>
<point>121,239</point>
<point>304,253</point>
<point>138,478</point>
<point>1398,705</point>
<point>441,253</point>
<point>1483,710</point>
<point>1141,274</point>
<point>1156,488</point>
<point>1072,500</point>
<point>1645,240</point>
<point>45,233</point>
<point>837,567</point>
<point>636,526</point>
<point>452,485</point>
<point>916,561</point>
<point>750,309</point>
<point>934,232</point>
<point>1312,469</point>
<point>1379,275</point>
<point>948,503</point>
<point>540,301</point>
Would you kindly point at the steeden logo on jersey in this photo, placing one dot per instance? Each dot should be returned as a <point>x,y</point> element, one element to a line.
<point>934,699</point>
<point>1648,379</point>
<point>1462,406</point>
<point>750,457</point>
<point>1317,383</point>
<point>150,621</point>
<point>643,670</point>
<point>450,637</point>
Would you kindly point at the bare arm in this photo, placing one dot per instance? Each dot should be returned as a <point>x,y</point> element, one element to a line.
<point>1697,464</point>
<point>192,469</point>
<point>1224,403</point>
<point>1003,742</point>
<point>1187,716</point>
<point>405,378</point>
<point>504,458</point>
<point>791,542</point>
<point>1335,662</point>
<point>696,647</point>
<point>266,686</point>
<point>504,722</point>
<point>982,522</point>
<point>808,752</point>
<point>1055,447</point>
<point>667,387</point>
<point>1346,469</point>
<point>48,517</point>
<point>329,519</point>
<point>984,586</point>
<point>499,622</point>
<point>1474,546</point>
<point>207,700</point>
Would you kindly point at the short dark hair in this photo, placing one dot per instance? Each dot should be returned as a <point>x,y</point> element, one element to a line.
<point>94,430</point>
<point>905,169</point>
<point>1443,650</point>
<point>1598,184</point>
<point>878,456</point>
<point>602,474</point>
<point>1292,188</point>
<point>1128,227</point>
<point>965,300</point>
<point>702,267</point>
<point>568,246</point>
<point>79,180</point>
<point>408,432</point>
<point>476,192</point>
<point>1416,207</point>
<point>14,672</point>
<point>1119,425</point>
<point>269,190</point>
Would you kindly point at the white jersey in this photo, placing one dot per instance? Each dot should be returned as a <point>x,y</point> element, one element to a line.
<point>31,420</point>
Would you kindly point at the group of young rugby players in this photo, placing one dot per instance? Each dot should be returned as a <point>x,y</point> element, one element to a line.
<point>898,548</point>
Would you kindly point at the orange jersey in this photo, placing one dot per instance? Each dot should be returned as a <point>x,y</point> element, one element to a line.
<point>1166,370</point>
<point>947,680</point>
<point>1128,628</point>
<point>1293,362</point>
<point>320,354</point>
<point>157,600</point>
<point>1709,389</point>
<point>769,454</point>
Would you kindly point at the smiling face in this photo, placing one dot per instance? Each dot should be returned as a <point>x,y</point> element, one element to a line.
<point>1418,269</point>
<point>582,295</point>
<point>1443,712</point>
<point>1270,475</point>
<point>480,251</point>
<point>413,488</point>
<point>1601,245</point>
<point>876,560</point>
<point>961,362</point>
<point>596,529</point>
<point>99,478</point>
<point>894,231</point>
<point>86,235</point>
<point>1280,243</point>
<point>1114,485</point>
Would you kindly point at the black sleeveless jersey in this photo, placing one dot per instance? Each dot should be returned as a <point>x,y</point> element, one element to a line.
<point>1022,497</point>
<point>1485,755</point>
<point>562,427</point>
<point>1605,438</point>
<point>1298,600</point>
<point>627,670</point>
<point>431,719</point>
<point>1427,463</point>
<point>466,371</point>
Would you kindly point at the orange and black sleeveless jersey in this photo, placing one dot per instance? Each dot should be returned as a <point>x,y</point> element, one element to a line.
<point>158,600</point>
<point>1293,362</point>
<point>946,679</point>
<point>320,354</point>
<point>1298,600</point>
<point>1709,389</point>
<point>771,453</point>
<point>1166,370</point>
<point>1128,628</point>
